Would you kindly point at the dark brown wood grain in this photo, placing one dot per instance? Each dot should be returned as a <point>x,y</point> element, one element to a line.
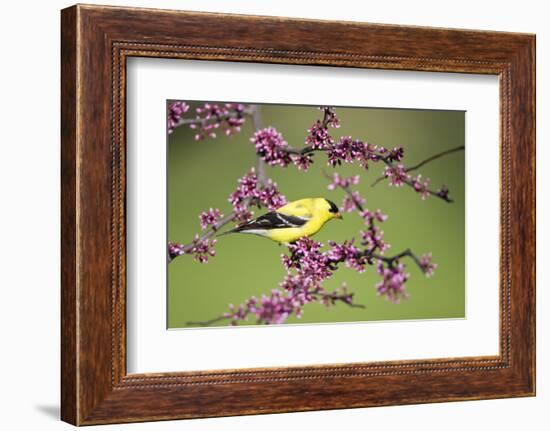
<point>96,42</point>
<point>68,218</point>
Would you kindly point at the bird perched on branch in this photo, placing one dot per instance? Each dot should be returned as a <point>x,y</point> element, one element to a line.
<point>304,217</point>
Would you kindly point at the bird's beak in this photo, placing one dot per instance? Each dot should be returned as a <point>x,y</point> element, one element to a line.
<point>338,216</point>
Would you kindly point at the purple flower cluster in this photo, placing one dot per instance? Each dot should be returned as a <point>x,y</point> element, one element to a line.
<point>175,250</point>
<point>302,161</point>
<point>311,264</point>
<point>269,309</point>
<point>338,181</point>
<point>421,186</point>
<point>370,216</point>
<point>175,113</point>
<point>275,151</point>
<point>210,218</point>
<point>397,174</point>
<point>319,137</point>
<point>394,155</point>
<point>373,237</point>
<point>352,201</point>
<point>201,248</point>
<point>250,192</point>
<point>212,116</point>
<point>348,253</point>
<point>393,281</point>
<point>271,147</point>
<point>348,150</point>
<point>279,305</point>
<point>427,265</point>
<point>330,117</point>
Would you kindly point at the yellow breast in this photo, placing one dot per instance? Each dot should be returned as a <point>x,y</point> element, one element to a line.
<point>288,235</point>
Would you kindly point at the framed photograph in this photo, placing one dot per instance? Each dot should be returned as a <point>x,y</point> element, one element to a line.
<point>338,209</point>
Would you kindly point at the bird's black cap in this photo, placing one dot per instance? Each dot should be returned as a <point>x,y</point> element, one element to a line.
<point>333,208</point>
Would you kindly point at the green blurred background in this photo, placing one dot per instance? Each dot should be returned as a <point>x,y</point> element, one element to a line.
<point>203,174</point>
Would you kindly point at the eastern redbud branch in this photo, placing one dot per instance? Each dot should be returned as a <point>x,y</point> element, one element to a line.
<point>212,230</point>
<point>393,259</point>
<point>369,253</point>
<point>423,162</point>
<point>410,183</point>
<point>201,246</point>
<point>344,299</point>
<point>316,296</point>
<point>209,322</point>
<point>197,121</point>
<point>434,157</point>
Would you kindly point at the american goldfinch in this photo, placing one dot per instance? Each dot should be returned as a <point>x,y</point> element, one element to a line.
<point>304,217</point>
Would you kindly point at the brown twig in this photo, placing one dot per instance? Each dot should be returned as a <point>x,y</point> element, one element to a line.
<point>208,322</point>
<point>210,232</point>
<point>411,183</point>
<point>391,260</point>
<point>423,162</point>
<point>319,296</point>
<point>197,121</point>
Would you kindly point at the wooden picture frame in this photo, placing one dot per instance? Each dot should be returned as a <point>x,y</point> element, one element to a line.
<point>96,41</point>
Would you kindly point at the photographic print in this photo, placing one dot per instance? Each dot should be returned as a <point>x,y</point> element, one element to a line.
<point>289,214</point>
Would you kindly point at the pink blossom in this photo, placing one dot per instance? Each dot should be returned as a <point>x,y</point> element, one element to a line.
<point>302,161</point>
<point>251,193</point>
<point>349,254</point>
<point>203,249</point>
<point>210,218</point>
<point>393,282</point>
<point>370,216</point>
<point>213,116</point>
<point>330,115</point>
<point>427,265</point>
<point>338,181</point>
<point>373,237</point>
<point>175,250</point>
<point>271,147</point>
<point>175,114</point>
<point>396,154</point>
<point>397,175</point>
<point>421,186</point>
<point>318,137</point>
<point>270,196</point>
<point>352,201</point>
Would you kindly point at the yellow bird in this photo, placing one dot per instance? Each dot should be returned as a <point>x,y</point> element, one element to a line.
<point>304,217</point>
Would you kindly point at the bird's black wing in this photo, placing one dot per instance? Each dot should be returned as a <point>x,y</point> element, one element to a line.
<point>273,220</point>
